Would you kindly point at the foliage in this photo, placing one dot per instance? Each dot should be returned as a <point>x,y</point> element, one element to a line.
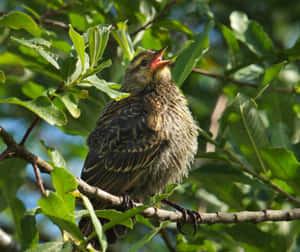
<point>62,61</point>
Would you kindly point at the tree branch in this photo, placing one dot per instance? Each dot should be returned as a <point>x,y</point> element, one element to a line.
<point>7,243</point>
<point>153,212</point>
<point>162,12</point>
<point>240,83</point>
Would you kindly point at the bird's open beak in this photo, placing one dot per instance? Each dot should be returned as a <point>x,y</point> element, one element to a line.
<point>158,62</point>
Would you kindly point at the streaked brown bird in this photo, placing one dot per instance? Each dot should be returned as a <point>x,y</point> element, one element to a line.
<point>144,142</point>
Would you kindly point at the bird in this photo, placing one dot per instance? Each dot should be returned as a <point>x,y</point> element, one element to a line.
<point>143,142</point>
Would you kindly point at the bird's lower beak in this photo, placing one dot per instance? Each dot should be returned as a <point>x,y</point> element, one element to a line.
<point>158,62</point>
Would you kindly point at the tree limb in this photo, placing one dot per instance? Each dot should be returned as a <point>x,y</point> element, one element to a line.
<point>7,243</point>
<point>153,212</point>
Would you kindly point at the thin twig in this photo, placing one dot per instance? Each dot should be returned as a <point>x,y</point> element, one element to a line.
<point>240,83</point>
<point>168,242</point>
<point>57,11</point>
<point>39,178</point>
<point>246,169</point>
<point>161,13</point>
<point>30,128</point>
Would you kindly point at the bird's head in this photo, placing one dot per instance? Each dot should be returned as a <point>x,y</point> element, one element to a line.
<point>147,68</point>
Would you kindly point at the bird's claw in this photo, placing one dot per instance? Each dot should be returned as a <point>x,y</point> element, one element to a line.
<point>195,216</point>
<point>127,202</point>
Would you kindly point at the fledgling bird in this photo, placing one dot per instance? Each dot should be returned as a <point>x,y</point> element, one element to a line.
<point>143,142</point>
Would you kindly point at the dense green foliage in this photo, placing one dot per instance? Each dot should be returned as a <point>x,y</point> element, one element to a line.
<point>63,60</point>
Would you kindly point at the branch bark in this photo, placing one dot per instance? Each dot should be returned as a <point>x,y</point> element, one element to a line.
<point>7,243</point>
<point>153,212</point>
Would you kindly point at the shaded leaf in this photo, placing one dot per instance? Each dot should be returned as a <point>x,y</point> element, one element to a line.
<point>2,77</point>
<point>189,57</point>
<point>282,162</point>
<point>272,72</point>
<point>43,107</point>
<point>30,235</point>
<point>148,237</point>
<point>243,120</point>
<point>19,20</point>
<point>232,43</point>
<point>251,33</point>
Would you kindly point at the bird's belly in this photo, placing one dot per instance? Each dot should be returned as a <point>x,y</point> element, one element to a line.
<point>174,161</point>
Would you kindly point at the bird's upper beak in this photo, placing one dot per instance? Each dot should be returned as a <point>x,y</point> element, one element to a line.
<point>158,62</point>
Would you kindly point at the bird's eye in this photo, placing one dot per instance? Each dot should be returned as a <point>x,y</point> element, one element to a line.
<point>144,63</point>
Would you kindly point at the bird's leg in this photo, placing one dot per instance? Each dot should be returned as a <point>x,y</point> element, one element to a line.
<point>127,204</point>
<point>195,216</point>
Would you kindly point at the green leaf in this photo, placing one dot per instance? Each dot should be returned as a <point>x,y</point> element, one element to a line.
<point>41,46</point>
<point>71,103</point>
<point>78,43</point>
<point>115,217</point>
<point>56,246</point>
<point>282,162</point>
<point>30,235</point>
<point>2,77</point>
<point>105,87</point>
<point>122,37</point>
<point>272,72</point>
<point>232,43</point>
<point>56,209</point>
<point>43,107</point>
<point>64,183</point>
<point>244,122</point>
<point>251,33</point>
<point>99,68</point>
<point>96,223</point>
<point>98,37</point>
<point>148,237</point>
<point>32,89</point>
<point>55,156</point>
<point>174,25</point>
<point>78,21</point>
<point>189,57</point>
<point>19,20</point>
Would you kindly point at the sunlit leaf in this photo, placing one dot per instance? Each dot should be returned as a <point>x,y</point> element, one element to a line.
<point>40,46</point>
<point>19,20</point>
<point>96,223</point>
<point>71,103</point>
<point>105,87</point>
<point>78,43</point>
<point>56,209</point>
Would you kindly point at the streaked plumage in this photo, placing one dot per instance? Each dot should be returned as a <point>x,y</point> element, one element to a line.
<point>146,141</point>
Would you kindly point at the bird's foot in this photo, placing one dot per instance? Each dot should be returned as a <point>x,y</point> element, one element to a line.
<point>195,216</point>
<point>127,202</point>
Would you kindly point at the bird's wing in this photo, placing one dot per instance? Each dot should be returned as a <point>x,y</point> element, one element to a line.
<point>121,146</point>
